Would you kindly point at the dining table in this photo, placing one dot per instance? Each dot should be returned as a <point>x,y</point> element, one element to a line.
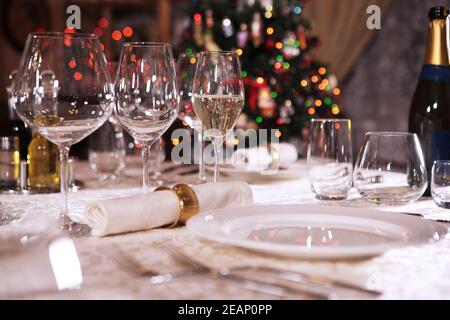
<point>415,272</point>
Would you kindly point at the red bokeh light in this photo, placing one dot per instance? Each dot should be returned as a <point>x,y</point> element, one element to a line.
<point>127,31</point>
<point>72,64</point>
<point>98,31</point>
<point>197,17</point>
<point>116,35</point>
<point>103,23</point>
<point>77,76</point>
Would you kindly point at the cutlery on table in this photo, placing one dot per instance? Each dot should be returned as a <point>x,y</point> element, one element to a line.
<point>131,265</point>
<point>296,277</point>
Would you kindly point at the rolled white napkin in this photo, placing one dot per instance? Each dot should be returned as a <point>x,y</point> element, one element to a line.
<point>252,159</point>
<point>288,153</point>
<point>156,209</point>
<point>259,158</point>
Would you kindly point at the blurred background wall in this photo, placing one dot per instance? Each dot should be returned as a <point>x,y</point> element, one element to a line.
<point>378,70</point>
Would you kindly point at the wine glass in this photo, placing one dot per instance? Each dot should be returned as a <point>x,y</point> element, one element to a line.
<point>186,71</point>
<point>146,93</point>
<point>218,96</point>
<point>63,92</point>
<point>330,158</point>
<point>390,169</point>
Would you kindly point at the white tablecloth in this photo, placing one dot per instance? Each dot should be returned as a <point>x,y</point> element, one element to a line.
<point>409,273</point>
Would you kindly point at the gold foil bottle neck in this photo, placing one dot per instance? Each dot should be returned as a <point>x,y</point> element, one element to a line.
<point>437,47</point>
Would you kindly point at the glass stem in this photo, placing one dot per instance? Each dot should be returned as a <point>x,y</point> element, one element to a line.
<point>64,180</point>
<point>217,152</point>
<point>145,172</point>
<point>201,162</point>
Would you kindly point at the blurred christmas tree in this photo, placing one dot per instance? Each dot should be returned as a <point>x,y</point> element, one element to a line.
<point>285,87</point>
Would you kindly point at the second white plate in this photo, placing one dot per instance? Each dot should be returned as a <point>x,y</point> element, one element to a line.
<point>315,231</point>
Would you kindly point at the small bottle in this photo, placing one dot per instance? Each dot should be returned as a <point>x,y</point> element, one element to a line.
<point>429,115</point>
<point>43,165</point>
<point>43,156</point>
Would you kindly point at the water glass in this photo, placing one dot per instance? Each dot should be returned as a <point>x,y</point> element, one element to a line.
<point>390,169</point>
<point>9,163</point>
<point>107,150</point>
<point>330,158</point>
<point>440,183</point>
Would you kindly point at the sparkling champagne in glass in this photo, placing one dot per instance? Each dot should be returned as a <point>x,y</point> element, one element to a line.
<point>218,96</point>
<point>78,102</point>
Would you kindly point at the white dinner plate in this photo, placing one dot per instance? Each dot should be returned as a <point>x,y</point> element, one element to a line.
<point>315,231</point>
<point>296,170</point>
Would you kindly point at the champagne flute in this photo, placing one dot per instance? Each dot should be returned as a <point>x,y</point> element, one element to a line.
<point>63,92</point>
<point>186,71</point>
<point>146,94</point>
<point>218,93</point>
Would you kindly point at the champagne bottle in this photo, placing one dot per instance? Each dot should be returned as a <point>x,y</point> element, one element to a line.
<point>429,115</point>
<point>43,165</point>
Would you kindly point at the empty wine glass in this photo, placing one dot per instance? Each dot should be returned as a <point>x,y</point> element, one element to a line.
<point>330,158</point>
<point>79,100</point>
<point>390,169</point>
<point>186,72</point>
<point>218,93</point>
<point>146,93</point>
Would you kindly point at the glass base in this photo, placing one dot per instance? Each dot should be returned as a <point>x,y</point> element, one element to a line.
<point>329,198</point>
<point>442,204</point>
<point>72,228</point>
<point>9,216</point>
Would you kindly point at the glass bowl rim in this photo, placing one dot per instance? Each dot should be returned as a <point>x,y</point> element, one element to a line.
<point>442,162</point>
<point>330,120</point>
<point>223,52</point>
<point>146,44</point>
<point>63,35</point>
<point>390,134</point>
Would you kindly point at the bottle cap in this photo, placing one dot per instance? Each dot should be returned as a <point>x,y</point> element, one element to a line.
<point>438,13</point>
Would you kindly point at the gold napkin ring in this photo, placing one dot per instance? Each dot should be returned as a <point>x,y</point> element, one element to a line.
<point>187,200</point>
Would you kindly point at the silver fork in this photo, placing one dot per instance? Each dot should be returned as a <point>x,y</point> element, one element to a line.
<point>296,277</point>
<point>132,265</point>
